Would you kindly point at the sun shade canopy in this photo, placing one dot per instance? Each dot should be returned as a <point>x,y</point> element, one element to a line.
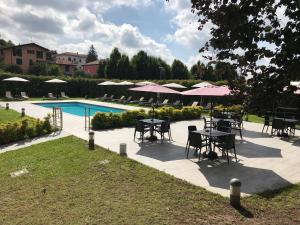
<point>144,83</point>
<point>56,81</point>
<point>174,85</point>
<point>203,84</point>
<point>106,83</point>
<point>125,83</point>
<point>155,88</point>
<point>209,91</point>
<point>16,79</point>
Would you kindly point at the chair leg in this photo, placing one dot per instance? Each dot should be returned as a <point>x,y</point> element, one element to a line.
<point>241,134</point>
<point>235,154</point>
<point>199,153</point>
<point>188,151</point>
<point>227,156</point>
<point>134,134</point>
<point>267,129</point>
<point>186,146</point>
<point>263,129</point>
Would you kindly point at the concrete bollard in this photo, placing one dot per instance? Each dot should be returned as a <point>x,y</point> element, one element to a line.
<point>123,149</point>
<point>235,192</point>
<point>7,106</point>
<point>91,141</point>
<point>23,112</point>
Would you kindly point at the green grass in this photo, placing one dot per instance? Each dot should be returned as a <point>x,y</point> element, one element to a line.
<point>7,116</point>
<point>81,190</point>
<point>254,118</point>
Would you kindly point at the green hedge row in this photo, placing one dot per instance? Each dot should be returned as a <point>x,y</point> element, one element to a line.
<point>26,128</point>
<point>109,120</point>
<point>76,86</point>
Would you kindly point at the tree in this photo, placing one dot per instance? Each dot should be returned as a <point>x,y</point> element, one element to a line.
<point>112,70</point>
<point>102,68</point>
<point>5,44</point>
<point>224,71</point>
<point>198,70</point>
<point>92,55</point>
<point>38,69</point>
<point>54,70</point>
<point>124,68</point>
<point>179,70</point>
<point>140,65</point>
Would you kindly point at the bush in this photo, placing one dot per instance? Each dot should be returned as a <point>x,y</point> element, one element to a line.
<point>26,128</point>
<point>109,120</point>
<point>13,69</point>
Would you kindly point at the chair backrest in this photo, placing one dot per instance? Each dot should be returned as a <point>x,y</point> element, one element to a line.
<point>278,124</point>
<point>140,126</point>
<point>228,141</point>
<point>165,101</point>
<point>166,118</point>
<point>141,99</point>
<point>139,117</point>
<point>191,128</point>
<point>50,95</point>
<point>177,102</point>
<point>150,100</point>
<point>122,97</point>
<point>165,126</point>
<point>112,96</point>
<point>224,126</point>
<point>267,120</point>
<point>104,96</point>
<point>129,98</point>
<point>194,104</point>
<point>195,139</point>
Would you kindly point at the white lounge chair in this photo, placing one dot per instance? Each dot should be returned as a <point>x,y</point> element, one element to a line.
<point>63,95</point>
<point>103,97</point>
<point>24,95</point>
<point>8,95</point>
<point>194,104</point>
<point>165,102</point>
<point>51,96</point>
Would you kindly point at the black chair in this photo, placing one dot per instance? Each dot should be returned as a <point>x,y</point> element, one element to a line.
<point>266,122</point>
<point>224,126</point>
<point>278,126</point>
<point>197,142</point>
<point>141,128</point>
<point>226,143</point>
<point>237,125</point>
<point>208,124</point>
<point>191,128</point>
<point>164,128</point>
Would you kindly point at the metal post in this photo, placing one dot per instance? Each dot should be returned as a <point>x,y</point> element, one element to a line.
<point>235,192</point>
<point>123,149</point>
<point>91,141</point>
<point>7,106</point>
<point>23,112</point>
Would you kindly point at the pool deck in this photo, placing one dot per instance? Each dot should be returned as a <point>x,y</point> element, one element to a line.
<point>264,162</point>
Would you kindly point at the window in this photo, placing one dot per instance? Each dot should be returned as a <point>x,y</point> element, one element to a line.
<point>18,61</point>
<point>17,52</point>
<point>67,68</point>
<point>69,59</point>
<point>31,52</point>
<point>39,54</point>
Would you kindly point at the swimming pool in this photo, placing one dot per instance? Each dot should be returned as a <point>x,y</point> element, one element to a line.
<point>78,108</point>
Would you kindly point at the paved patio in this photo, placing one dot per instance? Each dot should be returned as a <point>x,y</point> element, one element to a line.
<point>265,162</point>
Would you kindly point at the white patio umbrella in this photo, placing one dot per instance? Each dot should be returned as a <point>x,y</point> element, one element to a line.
<point>174,85</point>
<point>16,79</point>
<point>56,81</point>
<point>202,85</point>
<point>295,83</point>
<point>144,83</point>
<point>107,83</point>
<point>125,83</point>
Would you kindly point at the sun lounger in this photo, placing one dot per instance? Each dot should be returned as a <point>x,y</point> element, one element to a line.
<point>24,95</point>
<point>51,96</point>
<point>164,103</point>
<point>147,103</point>
<point>176,103</point>
<point>118,99</point>
<point>103,97</point>
<point>125,101</point>
<point>194,104</point>
<point>8,95</point>
<point>110,98</point>
<point>139,101</point>
<point>63,95</point>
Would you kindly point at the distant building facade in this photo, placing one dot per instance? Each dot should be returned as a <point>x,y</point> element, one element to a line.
<point>71,58</point>
<point>25,55</point>
<point>91,67</point>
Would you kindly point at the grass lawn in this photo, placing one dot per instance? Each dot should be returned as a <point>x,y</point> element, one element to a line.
<point>7,116</point>
<point>67,184</point>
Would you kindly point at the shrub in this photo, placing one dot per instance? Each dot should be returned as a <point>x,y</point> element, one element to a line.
<point>13,69</point>
<point>26,128</point>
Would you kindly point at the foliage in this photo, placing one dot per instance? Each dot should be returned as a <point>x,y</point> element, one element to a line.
<point>54,70</point>
<point>44,69</point>
<point>13,69</point>
<point>5,44</point>
<point>92,55</point>
<point>23,129</point>
<point>102,68</point>
<point>112,69</point>
<point>79,73</point>
<point>179,70</point>
<point>109,120</point>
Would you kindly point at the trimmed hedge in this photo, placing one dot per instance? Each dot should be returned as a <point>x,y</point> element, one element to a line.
<point>26,128</point>
<point>103,121</point>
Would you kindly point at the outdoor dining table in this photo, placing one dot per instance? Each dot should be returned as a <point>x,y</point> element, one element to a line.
<point>152,123</point>
<point>211,136</point>
<point>287,122</point>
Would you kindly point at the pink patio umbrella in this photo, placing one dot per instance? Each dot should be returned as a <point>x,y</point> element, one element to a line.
<point>212,91</point>
<point>155,88</point>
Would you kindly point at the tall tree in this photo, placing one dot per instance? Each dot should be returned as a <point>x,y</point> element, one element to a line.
<point>112,70</point>
<point>92,55</point>
<point>124,68</point>
<point>140,65</point>
<point>4,44</point>
<point>179,70</point>
<point>102,68</point>
<point>198,70</point>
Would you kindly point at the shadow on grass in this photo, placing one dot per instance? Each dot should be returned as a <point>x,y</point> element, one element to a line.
<point>274,193</point>
<point>244,212</point>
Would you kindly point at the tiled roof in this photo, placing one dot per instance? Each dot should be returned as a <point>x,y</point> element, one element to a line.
<point>96,62</point>
<point>72,54</point>
<point>46,49</point>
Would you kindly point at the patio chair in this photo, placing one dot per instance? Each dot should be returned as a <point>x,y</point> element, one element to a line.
<point>148,103</point>
<point>197,142</point>
<point>51,96</point>
<point>237,126</point>
<point>24,95</point>
<point>118,99</point>
<point>109,98</point>
<point>63,95</point>
<point>177,103</point>
<point>8,95</point>
<point>138,101</point>
<point>291,128</point>
<point>266,123</point>
<point>141,128</point>
<point>224,126</point>
<point>208,124</point>
<point>278,126</point>
<point>164,128</point>
<point>190,129</point>
<point>226,143</point>
<point>194,104</point>
<point>164,103</point>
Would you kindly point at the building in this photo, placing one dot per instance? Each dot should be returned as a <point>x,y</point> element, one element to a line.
<point>91,67</point>
<point>25,55</point>
<point>70,58</point>
<point>68,68</point>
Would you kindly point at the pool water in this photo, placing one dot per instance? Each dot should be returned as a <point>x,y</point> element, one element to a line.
<point>78,108</point>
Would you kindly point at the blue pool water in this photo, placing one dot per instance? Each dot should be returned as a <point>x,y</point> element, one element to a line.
<point>78,108</point>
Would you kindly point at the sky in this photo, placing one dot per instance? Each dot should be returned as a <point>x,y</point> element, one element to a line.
<point>164,29</point>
